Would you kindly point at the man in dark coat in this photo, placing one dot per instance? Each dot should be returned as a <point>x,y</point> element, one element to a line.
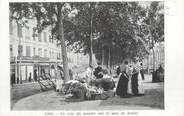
<point>118,70</point>
<point>98,72</point>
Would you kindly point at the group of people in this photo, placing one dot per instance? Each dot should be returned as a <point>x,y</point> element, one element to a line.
<point>97,73</point>
<point>130,79</point>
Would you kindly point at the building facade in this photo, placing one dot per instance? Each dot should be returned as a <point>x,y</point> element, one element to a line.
<point>31,55</point>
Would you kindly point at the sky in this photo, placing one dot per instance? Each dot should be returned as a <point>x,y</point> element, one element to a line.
<point>144,4</point>
<point>147,3</point>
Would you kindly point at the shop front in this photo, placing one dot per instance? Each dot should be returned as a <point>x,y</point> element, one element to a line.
<point>29,69</point>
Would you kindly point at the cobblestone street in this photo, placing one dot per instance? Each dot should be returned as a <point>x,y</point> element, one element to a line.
<point>50,100</point>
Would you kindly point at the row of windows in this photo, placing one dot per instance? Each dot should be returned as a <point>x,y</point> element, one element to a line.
<point>41,52</point>
<point>28,34</point>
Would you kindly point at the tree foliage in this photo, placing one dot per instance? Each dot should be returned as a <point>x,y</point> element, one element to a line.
<point>121,29</point>
<point>115,26</point>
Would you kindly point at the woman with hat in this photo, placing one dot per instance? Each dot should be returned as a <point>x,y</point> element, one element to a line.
<point>122,86</point>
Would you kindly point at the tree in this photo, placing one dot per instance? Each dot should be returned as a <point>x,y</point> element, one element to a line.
<point>113,30</point>
<point>153,27</point>
<point>84,21</point>
<point>48,15</point>
<point>118,23</point>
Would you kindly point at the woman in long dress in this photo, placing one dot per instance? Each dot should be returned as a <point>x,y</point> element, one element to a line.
<point>59,81</point>
<point>122,86</point>
<point>137,88</point>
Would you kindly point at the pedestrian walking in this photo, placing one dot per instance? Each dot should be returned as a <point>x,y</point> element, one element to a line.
<point>142,71</point>
<point>35,75</point>
<point>71,74</point>
<point>29,79</point>
<point>13,78</point>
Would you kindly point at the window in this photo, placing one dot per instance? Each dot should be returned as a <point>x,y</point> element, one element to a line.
<point>27,50</point>
<point>40,52</point>
<point>19,30</point>
<point>45,53</point>
<point>11,50</point>
<point>51,40</point>
<point>40,37</point>
<point>45,36</point>
<point>34,51</point>
<point>27,32</point>
<point>59,56</point>
<point>20,50</point>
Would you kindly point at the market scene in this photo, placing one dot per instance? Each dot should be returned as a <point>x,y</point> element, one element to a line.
<point>86,55</point>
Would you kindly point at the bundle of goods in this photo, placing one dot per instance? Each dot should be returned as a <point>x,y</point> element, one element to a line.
<point>81,91</point>
<point>67,87</point>
<point>93,93</point>
<point>104,88</point>
<point>81,77</point>
<point>96,93</point>
<point>97,89</point>
<point>105,83</point>
<point>76,88</point>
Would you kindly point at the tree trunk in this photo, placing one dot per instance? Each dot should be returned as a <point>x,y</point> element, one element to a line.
<point>109,58</point>
<point>148,64</point>
<point>63,47</point>
<point>103,55</point>
<point>90,58</point>
<point>153,59</point>
<point>91,39</point>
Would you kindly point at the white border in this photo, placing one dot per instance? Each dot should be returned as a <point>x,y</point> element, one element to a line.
<point>174,62</point>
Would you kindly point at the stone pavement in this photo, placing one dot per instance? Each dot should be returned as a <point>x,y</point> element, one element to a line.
<point>20,91</point>
<point>50,100</point>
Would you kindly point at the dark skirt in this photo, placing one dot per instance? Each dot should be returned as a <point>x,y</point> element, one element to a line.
<point>122,86</point>
<point>135,83</point>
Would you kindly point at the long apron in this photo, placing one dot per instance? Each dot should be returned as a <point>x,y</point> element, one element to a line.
<point>140,85</point>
